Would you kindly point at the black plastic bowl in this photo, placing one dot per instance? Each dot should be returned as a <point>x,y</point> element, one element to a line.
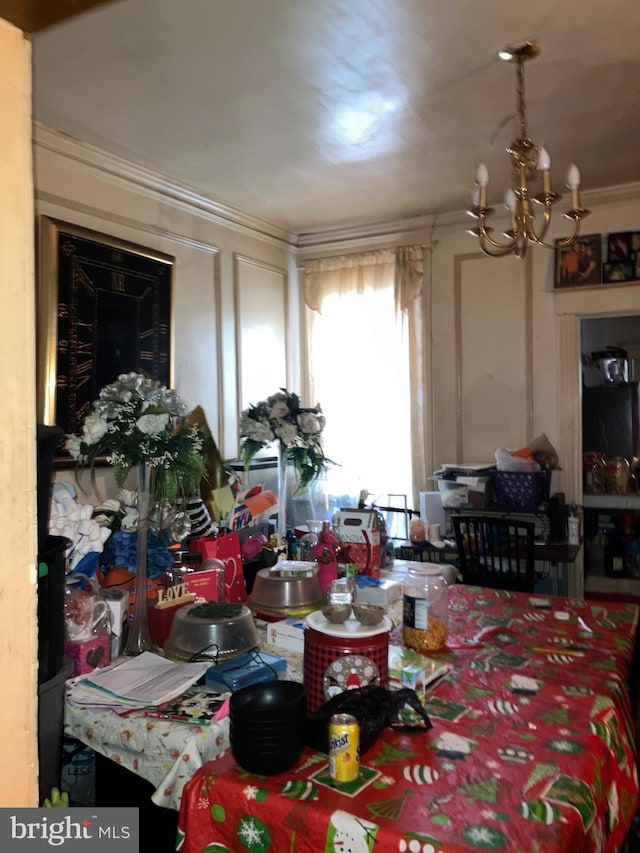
<point>267,700</point>
<point>268,762</point>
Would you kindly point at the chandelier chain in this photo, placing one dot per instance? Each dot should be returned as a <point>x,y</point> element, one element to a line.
<point>522,108</point>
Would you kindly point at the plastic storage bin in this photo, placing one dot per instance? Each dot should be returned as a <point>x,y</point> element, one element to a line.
<point>50,729</point>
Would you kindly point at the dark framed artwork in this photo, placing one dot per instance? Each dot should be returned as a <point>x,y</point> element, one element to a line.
<point>619,271</point>
<point>619,247</point>
<point>580,264</point>
<point>104,308</point>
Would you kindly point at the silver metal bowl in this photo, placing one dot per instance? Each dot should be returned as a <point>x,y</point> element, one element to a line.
<point>216,637</point>
<point>290,595</point>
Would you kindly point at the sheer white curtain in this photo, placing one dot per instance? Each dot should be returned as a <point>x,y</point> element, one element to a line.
<point>365,347</point>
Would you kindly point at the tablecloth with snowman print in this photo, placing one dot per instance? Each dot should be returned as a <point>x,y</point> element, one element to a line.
<point>532,749</point>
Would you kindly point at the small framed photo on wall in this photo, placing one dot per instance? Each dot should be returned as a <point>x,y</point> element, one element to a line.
<point>579,264</point>
<point>619,271</point>
<point>619,247</point>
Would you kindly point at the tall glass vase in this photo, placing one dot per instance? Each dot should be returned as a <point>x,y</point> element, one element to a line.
<point>281,529</point>
<point>139,639</point>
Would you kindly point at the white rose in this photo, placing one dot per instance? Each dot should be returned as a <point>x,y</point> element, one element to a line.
<point>94,428</point>
<point>152,424</point>
<point>310,423</point>
<point>255,430</point>
<point>287,433</point>
<point>279,409</point>
<point>73,446</point>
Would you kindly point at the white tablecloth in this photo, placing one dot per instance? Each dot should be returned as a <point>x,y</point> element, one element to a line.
<point>164,752</point>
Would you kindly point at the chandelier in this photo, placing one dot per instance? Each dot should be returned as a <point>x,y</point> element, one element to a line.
<point>528,162</point>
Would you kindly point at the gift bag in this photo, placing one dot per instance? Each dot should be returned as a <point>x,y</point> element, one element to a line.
<point>226,548</point>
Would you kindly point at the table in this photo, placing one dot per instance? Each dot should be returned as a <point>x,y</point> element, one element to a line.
<point>165,753</point>
<point>532,749</point>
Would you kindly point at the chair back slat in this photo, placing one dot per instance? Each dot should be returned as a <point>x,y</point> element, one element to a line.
<point>496,552</point>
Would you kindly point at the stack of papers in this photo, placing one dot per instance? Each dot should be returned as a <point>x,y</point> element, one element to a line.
<point>135,683</point>
<point>468,469</point>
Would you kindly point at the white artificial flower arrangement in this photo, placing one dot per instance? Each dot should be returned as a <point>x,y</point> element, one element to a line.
<point>296,429</point>
<point>138,420</point>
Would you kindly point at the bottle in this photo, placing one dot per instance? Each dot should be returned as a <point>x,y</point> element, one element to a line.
<point>593,467</point>
<point>632,557</point>
<point>307,547</point>
<point>617,475</point>
<point>292,545</point>
<point>574,525</point>
<point>597,553</point>
<point>425,618</point>
<point>326,556</point>
<point>614,553</point>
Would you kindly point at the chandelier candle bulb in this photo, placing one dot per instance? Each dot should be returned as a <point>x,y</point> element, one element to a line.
<point>544,160</point>
<point>573,182</point>
<point>482,175</point>
<point>482,180</point>
<point>544,165</point>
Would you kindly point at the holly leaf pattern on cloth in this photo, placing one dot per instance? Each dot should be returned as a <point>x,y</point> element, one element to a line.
<point>485,791</point>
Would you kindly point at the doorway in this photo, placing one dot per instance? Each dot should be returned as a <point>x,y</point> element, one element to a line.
<point>609,521</point>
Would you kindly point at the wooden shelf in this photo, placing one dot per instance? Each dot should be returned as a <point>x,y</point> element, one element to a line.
<point>611,501</point>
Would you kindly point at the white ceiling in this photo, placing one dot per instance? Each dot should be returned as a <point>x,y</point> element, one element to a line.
<point>316,113</point>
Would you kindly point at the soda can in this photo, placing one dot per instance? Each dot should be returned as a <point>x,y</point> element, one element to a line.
<point>344,748</point>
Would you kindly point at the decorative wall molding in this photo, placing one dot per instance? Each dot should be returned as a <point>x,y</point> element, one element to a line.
<point>154,185</point>
<point>265,309</point>
<point>354,237</point>
<point>125,222</point>
<point>459,317</point>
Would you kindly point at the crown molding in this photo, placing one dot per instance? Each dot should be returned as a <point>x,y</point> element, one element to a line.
<point>300,243</point>
<point>155,185</point>
<point>393,231</point>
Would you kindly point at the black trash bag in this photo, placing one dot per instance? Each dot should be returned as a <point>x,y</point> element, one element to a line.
<point>373,707</point>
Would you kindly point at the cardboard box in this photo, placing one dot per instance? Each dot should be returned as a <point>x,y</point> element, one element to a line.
<point>287,634</point>
<point>384,593</point>
<point>359,531</point>
<point>408,668</point>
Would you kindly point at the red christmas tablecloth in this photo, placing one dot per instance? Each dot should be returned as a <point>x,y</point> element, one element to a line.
<point>532,748</point>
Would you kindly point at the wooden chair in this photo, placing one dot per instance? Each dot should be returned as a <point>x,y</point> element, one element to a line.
<point>496,552</point>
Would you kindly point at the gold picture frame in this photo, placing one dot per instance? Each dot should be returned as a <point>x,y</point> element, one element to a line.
<point>104,307</point>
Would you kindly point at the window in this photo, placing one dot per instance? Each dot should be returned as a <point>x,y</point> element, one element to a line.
<point>359,346</point>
